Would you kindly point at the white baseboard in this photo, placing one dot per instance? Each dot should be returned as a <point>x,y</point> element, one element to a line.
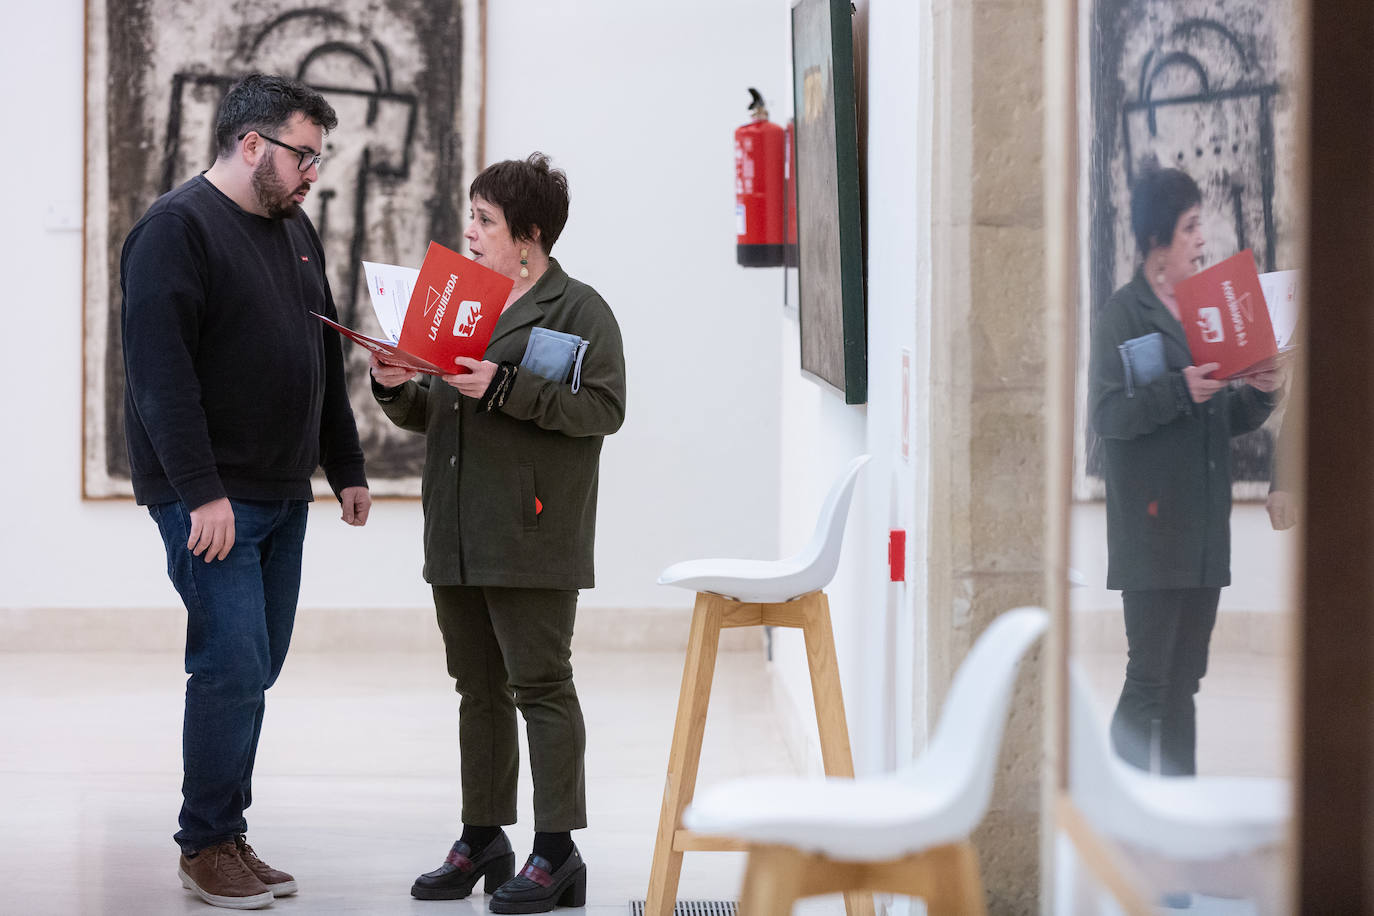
<point>337,630</point>
<point>1260,632</point>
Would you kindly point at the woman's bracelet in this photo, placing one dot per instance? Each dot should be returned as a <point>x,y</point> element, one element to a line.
<point>495,395</point>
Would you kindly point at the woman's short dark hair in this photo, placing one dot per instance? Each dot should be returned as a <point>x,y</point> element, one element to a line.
<point>1158,198</point>
<point>529,193</point>
<point>264,103</point>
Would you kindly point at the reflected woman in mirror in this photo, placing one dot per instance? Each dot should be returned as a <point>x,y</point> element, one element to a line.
<point>1166,428</point>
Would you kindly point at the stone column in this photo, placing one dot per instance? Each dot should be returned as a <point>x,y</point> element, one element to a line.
<point>987,461</point>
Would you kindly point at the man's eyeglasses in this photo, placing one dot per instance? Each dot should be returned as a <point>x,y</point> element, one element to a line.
<point>307,159</point>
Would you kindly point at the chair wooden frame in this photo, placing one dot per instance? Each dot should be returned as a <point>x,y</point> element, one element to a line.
<point>945,877</point>
<point>811,614</point>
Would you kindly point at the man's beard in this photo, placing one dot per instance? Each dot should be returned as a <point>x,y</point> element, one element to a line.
<point>272,193</point>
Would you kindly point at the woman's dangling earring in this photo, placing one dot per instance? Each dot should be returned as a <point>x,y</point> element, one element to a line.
<point>524,262</point>
<point>1158,269</point>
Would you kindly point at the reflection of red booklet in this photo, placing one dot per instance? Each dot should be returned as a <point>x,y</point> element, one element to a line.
<point>1225,317</point>
<point>452,311</point>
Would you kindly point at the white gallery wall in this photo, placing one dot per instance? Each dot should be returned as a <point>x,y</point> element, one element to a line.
<point>1262,561</point>
<point>727,449</point>
<point>878,624</point>
<point>638,102</point>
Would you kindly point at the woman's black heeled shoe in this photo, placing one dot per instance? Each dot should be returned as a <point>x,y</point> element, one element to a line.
<point>460,872</point>
<point>540,887</point>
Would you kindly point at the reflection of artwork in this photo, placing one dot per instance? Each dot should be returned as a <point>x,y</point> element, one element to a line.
<point>829,222</point>
<point>404,77</point>
<point>1195,86</point>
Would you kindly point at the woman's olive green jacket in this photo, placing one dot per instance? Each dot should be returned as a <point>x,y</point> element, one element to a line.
<point>509,496</point>
<point>1167,460</point>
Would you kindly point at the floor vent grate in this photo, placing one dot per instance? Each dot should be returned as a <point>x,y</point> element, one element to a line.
<point>693,908</point>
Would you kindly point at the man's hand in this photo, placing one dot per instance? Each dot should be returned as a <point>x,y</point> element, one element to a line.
<point>1282,507</point>
<point>1200,388</point>
<point>1266,381</point>
<point>356,503</point>
<point>389,376</point>
<point>472,384</point>
<point>212,530</point>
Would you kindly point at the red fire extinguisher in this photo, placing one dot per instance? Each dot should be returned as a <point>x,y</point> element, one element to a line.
<point>759,189</point>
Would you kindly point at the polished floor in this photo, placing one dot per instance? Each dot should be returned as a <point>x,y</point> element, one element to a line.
<point>356,786</point>
<point>1243,725</point>
<point>1242,720</point>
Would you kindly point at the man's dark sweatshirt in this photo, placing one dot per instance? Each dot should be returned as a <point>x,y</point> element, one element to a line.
<point>232,388</point>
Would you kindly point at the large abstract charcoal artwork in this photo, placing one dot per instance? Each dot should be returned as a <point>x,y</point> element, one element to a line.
<point>405,77</point>
<point>1205,87</point>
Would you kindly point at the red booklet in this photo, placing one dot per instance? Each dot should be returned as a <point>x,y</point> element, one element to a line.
<point>452,311</point>
<point>1226,319</point>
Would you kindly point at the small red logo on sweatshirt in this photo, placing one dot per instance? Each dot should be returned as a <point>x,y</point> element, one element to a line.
<point>304,258</point>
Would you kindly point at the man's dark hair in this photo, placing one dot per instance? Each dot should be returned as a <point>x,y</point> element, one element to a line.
<point>529,193</point>
<point>264,103</point>
<point>1158,198</point>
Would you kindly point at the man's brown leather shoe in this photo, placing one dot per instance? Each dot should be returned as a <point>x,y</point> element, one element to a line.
<point>278,882</point>
<point>219,877</point>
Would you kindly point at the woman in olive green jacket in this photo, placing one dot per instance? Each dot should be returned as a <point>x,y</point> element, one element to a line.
<point>509,496</point>
<point>1166,429</point>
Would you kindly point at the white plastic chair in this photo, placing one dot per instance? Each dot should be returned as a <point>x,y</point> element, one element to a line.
<point>906,832</point>
<point>1219,835</point>
<point>745,593</point>
<point>772,581</point>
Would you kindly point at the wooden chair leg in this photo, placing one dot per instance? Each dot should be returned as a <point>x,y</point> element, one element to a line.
<point>831,722</point>
<point>858,903</point>
<point>957,888</point>
<point>772,881</point>
<point>825,686</point>
<point>685,755</point>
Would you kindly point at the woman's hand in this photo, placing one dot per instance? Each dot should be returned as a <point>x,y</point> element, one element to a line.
<point>389,376</point>
<point>1200,388</point>
<point>474,383</point>
<point>1282,507</point>
<point>1267,381</point>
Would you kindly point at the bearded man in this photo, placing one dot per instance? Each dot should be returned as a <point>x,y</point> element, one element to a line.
<point>234,395</point>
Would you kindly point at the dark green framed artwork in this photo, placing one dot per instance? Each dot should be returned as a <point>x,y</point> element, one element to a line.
<point>831,310</point>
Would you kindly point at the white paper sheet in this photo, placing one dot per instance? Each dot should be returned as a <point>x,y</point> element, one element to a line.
<point>389,287</point>
<point>1281,295</point>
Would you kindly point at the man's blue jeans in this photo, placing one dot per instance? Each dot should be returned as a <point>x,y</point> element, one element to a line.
<point>239,614</point>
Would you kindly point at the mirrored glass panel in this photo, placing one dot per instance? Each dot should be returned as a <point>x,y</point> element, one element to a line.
<point>1183,542</point>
